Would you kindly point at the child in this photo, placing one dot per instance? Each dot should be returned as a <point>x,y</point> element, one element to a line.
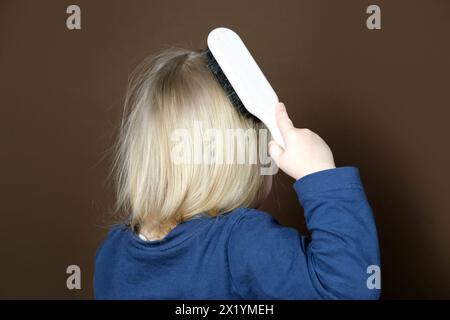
<point>191,229</point>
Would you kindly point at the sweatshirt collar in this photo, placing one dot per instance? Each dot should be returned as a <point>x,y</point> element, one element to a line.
<point>177,235</point>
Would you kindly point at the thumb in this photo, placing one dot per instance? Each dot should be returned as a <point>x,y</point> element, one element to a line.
<point>283,121</point>
<point>275,151</point>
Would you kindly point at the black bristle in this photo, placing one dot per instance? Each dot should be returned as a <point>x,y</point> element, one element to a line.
<point>214,67</point>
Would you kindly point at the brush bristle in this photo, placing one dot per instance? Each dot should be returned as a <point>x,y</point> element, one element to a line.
<point>214,67</point>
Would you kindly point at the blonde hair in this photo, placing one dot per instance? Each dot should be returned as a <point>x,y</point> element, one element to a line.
<point>172,90</point>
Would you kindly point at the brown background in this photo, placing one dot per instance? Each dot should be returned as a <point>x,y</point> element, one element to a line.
<point>379,98</point>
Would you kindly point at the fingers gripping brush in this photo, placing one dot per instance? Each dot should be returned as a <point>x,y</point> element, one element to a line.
<point>241,78</point>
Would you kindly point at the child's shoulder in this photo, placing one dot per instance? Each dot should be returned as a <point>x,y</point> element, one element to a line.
<point>243,218</point>
<point>117,230</point>
<point>256,234</point>
<point>114,235</point>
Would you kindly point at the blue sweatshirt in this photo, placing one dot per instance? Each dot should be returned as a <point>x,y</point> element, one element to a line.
<point>247,254</point>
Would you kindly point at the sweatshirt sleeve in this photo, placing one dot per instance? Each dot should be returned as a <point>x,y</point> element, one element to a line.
<point>270,261</point>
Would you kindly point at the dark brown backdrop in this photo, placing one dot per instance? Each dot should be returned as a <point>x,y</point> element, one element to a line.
<point>379,98</point>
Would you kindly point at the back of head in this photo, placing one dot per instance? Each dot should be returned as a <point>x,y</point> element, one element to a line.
<point>173,104</point>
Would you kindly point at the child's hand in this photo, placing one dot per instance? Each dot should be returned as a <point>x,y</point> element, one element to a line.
<point>305,151</point>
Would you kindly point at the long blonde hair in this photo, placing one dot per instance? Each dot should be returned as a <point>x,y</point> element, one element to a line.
<point>175,89</point>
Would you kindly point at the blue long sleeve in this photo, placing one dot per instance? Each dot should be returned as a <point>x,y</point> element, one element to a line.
<point>269,261</point>
<point>246,254</point>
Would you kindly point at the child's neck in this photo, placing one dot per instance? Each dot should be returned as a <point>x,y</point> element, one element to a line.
<point>154,234</point>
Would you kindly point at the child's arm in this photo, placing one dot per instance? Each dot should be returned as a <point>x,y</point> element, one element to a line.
<point>269,261</point>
